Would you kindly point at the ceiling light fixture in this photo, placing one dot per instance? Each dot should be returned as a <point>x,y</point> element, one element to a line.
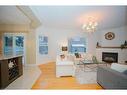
<point>90,26</point>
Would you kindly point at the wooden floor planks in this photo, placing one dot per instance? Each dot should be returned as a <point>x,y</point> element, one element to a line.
<point>48,80</point>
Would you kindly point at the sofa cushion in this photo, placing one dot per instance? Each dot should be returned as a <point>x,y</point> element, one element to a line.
<point>119,67</point>
<point>125,72</point>
<point>70,57</point>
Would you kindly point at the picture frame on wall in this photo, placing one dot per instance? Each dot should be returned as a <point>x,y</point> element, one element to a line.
<point>109,36</point>
<point>43,45</point>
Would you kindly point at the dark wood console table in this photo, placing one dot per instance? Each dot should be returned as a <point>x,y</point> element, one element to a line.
<point>10,69</point>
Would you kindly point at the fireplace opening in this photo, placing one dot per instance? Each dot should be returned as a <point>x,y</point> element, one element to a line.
<point>109,57</point>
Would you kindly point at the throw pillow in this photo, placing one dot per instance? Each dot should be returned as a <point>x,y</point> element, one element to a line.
<point>77,55</point>
<point>62,56</point>
<point>119,67</point>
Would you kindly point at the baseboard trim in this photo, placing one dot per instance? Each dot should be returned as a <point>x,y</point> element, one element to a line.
<point>31,65</point>
<point>46,63</point>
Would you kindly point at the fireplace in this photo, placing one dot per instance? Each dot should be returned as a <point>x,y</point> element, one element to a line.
<point>109,57</point>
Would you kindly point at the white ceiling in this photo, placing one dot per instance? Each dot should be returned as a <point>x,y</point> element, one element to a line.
<point>12,15</point>
<point>75,16</point>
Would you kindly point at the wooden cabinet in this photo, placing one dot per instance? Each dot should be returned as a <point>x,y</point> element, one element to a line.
<point>8,75</point>
<point>20,66</point>
<point>4,73</point>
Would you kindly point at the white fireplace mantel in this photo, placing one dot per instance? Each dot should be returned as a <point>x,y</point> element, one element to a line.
<point>122,53</point>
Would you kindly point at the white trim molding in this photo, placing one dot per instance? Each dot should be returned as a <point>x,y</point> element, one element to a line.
<point>13,28</point>
<point>31,65</point>
<point>35,22</point>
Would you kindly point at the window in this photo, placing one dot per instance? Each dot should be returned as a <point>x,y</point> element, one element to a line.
<point>19,44</point>
<point>77,44</point>
<point>8,44</point>
<point>13,44</point>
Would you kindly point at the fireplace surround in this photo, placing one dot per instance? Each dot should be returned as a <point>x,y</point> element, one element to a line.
<point>110,57</point>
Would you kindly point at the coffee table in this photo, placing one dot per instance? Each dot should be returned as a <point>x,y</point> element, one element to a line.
<point>90,64</point>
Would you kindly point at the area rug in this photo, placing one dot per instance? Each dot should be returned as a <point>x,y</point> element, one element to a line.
<point>85,77</point>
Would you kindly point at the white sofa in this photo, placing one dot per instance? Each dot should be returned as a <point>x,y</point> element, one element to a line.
<point>64,67</point>
<point>67,66</point>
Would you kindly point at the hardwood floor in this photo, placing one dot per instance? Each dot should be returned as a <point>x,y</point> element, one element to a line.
<point>48,80</point>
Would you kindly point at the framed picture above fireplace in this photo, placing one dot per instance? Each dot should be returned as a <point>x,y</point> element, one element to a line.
<point>109,36</point>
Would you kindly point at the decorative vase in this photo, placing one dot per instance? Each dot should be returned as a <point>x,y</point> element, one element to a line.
<point>125,43</point>
<point>122,46</point>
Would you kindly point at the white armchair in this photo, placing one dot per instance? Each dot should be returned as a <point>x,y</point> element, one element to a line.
<point>65,67</point>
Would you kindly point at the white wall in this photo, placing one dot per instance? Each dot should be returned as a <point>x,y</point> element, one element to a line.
<point>120,36</point>
<point>58,37</point>
<point>31,48</point>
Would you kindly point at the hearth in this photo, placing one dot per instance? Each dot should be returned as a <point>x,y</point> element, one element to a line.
<point>109,57</point>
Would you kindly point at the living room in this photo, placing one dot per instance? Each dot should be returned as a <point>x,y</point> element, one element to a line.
<point>58,33</point>
<point>95,43</point>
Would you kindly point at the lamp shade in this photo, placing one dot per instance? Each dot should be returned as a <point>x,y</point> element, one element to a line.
<point>64,48</point>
